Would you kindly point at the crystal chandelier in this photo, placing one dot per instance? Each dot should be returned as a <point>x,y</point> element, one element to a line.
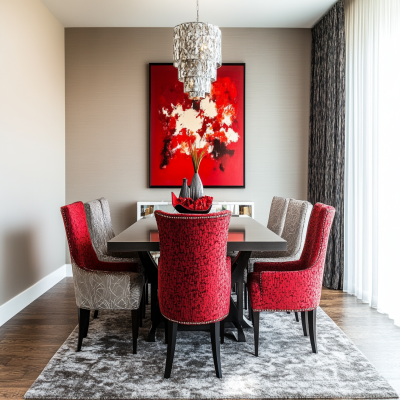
<point>197,55</point>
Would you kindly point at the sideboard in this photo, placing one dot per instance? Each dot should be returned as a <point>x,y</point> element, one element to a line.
<point>238,208</point>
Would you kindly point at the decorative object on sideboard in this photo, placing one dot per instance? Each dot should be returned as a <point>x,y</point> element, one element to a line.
<point>144,211</point>
<point>197,154</point>
<point>196,187</point>
<point>187,205</point>
<point>197,55</point>
<point>184,189</point>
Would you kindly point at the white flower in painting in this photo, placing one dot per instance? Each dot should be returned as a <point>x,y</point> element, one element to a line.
<point>208,106</point>
<point>232,136</point>
<point>187,119</point>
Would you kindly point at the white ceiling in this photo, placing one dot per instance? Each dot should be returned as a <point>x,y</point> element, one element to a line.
<point>168,13</point>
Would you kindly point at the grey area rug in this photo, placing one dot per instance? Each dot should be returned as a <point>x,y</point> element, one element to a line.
<point>286,367</point>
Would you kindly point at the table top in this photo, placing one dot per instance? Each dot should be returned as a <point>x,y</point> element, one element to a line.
<point>245,234</point>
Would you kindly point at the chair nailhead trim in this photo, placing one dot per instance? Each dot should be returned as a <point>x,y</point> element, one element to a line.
<point>194,216</point>
<point>196,323</point>
<point>298,310</point>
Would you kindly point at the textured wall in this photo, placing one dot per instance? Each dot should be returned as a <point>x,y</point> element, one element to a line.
<point>107,114</point>
<point>32,145</point>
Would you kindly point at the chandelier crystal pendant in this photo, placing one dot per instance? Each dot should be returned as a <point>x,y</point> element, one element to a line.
<point>197,55</point>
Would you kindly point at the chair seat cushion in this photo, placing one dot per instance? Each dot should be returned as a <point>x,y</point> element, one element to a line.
<point>112,266</point>
<point>117,260</point>
<point>253,261</point>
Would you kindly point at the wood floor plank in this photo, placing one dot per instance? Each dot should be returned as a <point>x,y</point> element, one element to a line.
<point>30,339</point>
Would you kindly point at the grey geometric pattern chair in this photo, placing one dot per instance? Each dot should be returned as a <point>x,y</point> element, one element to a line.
<point>294,232</point>
<point>277,214</point>
<point>98,290</point>
<point>99,285</point>
<point>98,218</point>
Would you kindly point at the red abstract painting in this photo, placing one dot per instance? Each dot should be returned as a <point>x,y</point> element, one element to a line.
<point>215,123</point>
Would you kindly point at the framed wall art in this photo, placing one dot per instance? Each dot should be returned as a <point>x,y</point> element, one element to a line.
<point>216,123</point>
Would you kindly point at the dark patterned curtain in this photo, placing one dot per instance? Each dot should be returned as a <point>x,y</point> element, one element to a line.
<point>327,140</point>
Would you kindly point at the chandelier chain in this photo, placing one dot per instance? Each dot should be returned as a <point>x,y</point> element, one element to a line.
<point>197,10</point>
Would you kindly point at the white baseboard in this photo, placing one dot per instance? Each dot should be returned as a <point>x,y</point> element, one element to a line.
<point>19,302</point>
<point>68,270</point>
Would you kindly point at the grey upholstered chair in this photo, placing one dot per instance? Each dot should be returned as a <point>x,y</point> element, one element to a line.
<point>101,290</point>
<point>99,285</point>
<point>98,218</point>
<point>277,214</point>
<point>294,232</point>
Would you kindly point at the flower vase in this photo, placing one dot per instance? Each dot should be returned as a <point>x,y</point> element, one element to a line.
<point>196,187</point>
<point>184,190</point>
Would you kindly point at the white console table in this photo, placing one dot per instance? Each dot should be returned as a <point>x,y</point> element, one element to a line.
<point>238,208</point>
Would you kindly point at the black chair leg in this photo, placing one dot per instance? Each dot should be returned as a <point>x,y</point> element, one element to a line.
<point>143,304</point>
<point>312,327</point>
<point>147,293</point>
<point>256,325</point>
<point>140,315</point>
<point>96,314</point>
<point>250,312</point>
<point>245,296</point>
<point>172,329</point>
<point>87,322</point>
<point>222,331</point>
<point>83,323</point>
<point>296,314</point>
<point>304,322</point>
<point>135,328</point>
<point>166,331</point>
<point>216,348</point>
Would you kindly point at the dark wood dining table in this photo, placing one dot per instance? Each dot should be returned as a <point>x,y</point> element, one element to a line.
<point>245,235</point>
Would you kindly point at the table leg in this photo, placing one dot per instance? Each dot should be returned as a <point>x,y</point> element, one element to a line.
<point>155,312</point>
<point>233,317</point>
<point>236,310</point>
<point>151,272</point>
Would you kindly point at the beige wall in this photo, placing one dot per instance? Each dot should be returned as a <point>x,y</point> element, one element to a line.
<point>107,114</point>
<point>32,145</point>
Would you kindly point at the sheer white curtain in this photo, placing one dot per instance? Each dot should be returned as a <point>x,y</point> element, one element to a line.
<point>372,185</point>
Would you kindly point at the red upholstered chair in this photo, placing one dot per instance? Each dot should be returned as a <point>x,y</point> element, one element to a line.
<point>99,285</point>
<point>294,285</point>
<point>194,275</point>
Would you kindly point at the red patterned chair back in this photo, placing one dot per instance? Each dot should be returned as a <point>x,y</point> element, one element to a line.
<point>194,274</point>
<point>80,245</point>
<point>316,243</point>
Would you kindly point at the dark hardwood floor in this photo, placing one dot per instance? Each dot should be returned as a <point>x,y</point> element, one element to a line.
<point>30,339</point>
